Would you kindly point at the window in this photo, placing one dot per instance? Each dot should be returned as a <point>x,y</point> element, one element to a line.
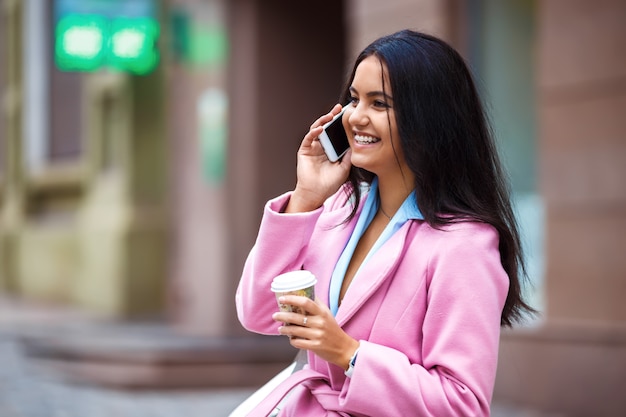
<point>66,109</point>
<point>66,116</point>
<point>501,54</point>
<point>53,114</point>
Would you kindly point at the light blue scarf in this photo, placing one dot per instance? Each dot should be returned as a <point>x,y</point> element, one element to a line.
<point>407,211</point>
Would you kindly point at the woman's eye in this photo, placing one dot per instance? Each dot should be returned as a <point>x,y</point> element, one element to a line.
<point>354,100</point>
<point>381,104</point>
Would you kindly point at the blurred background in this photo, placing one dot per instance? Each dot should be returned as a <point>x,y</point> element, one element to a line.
<point>140,139</point>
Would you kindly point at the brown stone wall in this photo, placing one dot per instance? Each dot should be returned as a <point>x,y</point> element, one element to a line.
<point>582,88</point>
<point>574,362</point>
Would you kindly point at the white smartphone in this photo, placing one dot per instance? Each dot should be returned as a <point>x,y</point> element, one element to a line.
<point>334,139</point>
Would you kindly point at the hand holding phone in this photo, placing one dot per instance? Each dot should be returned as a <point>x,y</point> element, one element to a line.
<point>333,138</point>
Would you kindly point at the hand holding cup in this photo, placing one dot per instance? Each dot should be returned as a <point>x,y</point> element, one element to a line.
<point>299,282</point>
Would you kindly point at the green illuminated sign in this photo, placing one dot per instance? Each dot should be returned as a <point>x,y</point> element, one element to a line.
<point>88,42</point>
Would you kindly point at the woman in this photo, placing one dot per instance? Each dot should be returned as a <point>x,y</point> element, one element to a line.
<point>412,239</point>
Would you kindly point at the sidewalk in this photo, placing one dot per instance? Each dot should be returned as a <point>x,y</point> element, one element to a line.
<point>30,387</point>
<point>25,392</point>
<point>84,348</point>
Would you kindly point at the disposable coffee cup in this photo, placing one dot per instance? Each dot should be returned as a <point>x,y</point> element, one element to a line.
<point>294,283</point>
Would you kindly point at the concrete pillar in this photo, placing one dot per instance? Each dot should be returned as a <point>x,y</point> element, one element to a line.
<point>198,108</point>
<point>11,188</point>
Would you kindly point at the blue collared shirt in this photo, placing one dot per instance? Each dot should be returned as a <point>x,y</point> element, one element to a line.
<point>407,211</point>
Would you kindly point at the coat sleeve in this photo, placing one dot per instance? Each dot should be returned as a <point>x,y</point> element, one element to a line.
<point>279,248</point>
<point>466,290</point>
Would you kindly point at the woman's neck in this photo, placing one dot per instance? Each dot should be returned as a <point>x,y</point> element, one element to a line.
<point>392,193</point>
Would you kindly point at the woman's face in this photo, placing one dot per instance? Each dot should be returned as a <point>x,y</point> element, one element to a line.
<point>371,123</point>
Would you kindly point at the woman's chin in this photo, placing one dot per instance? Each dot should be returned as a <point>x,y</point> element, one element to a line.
<point>360,161</point>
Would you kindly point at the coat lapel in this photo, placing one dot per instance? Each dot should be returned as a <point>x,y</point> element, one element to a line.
<point>334,244</point>
<point>373,274</point>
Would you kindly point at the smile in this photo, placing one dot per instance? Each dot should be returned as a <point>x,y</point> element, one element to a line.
<point>365,140</point>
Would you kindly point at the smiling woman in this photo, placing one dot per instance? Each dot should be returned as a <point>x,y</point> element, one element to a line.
<point>371,119</point>
<point>411,237</point>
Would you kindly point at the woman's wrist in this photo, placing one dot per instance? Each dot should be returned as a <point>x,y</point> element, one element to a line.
<point>299,203</point>
<point>349,370</point>
<point>350,355</point>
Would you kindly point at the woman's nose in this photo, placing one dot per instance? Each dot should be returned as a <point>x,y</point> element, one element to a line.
<point>357,116</point>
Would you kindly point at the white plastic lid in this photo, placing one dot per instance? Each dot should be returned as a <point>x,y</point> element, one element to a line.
<point>293,281</point>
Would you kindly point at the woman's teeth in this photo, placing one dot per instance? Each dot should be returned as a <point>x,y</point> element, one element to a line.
<point>364,140</point>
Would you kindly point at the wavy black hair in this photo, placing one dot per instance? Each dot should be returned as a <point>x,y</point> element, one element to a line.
<point>448,145</point>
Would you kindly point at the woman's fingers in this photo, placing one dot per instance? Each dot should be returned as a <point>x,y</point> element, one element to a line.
<point>304,311</point>
<point>311,136</point>
<point>303,303</point>
<point>316,128</point>
<point>291,318</point>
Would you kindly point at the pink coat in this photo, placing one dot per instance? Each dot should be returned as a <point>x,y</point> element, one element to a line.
<point>426,309</point>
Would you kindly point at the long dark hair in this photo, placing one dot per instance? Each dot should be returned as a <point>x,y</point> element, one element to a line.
<point>448,145</point>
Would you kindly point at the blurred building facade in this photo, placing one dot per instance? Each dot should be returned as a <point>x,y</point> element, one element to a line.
<point>140,195</point>
<point>83,182</point>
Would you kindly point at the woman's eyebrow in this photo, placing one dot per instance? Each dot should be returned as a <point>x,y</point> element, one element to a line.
<point>373,94</point>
